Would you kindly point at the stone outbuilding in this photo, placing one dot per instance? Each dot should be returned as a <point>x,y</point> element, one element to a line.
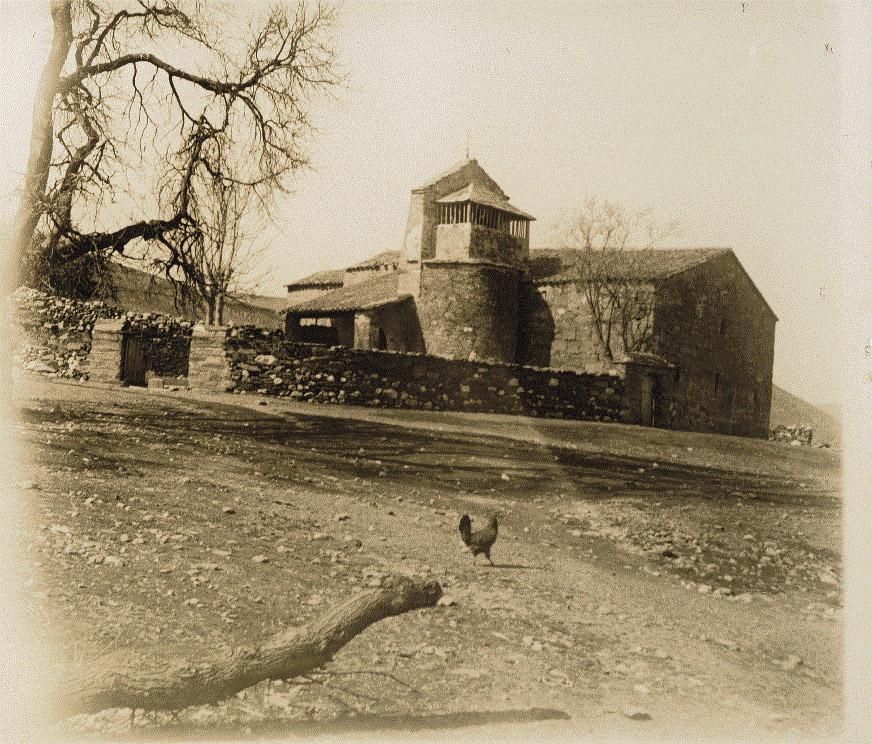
<point>467,286</point>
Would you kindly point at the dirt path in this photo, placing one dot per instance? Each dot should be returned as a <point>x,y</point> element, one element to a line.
<point>698,594</point>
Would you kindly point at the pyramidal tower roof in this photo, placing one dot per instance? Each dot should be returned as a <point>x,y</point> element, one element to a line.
<point>469,171</point>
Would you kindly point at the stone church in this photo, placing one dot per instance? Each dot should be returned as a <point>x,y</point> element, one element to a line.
<point>467,286</point>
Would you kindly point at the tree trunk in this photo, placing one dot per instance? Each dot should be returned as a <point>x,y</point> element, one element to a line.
<point>219,309</point>
<point>42,133</point>
<point>137,681</point>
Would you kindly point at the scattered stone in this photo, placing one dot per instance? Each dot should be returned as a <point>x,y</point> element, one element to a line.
<point>260,559</point>
<point>637,714</point>
<point>728,644</point>
<point>446,601</point>
<point>228,510</point>
<point>790,663</point>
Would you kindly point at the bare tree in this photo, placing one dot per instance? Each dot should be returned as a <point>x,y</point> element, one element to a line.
<point>214,263</point>
<point>615,244</point>
<point>164,88</point>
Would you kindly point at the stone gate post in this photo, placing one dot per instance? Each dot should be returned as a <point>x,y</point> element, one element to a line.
<point>208,366</point>
<point>104,359</point>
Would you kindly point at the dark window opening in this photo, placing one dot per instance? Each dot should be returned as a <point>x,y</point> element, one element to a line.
<point>717,383</point>
<point>382,342</point>
<point>723,327</point>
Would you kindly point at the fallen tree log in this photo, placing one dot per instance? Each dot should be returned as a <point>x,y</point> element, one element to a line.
<point>124,680</point>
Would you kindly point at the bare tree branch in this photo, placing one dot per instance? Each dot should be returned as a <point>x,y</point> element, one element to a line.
<point>615,244</point>
<point>231,113</point>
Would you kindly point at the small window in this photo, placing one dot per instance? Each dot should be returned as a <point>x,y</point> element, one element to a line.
<point>717,383</point>
<point>723,328</point>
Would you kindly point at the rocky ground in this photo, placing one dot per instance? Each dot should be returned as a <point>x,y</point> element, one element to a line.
<point>647,582</point>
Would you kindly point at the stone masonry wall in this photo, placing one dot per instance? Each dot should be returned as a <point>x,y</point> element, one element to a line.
<point>262,362</point>
<point>53,335</point>
<point>558,329</point>
<point>714,326</point>
<point>61,337</point>
<point>167,343</point>
<point>463,240</point>
<point>208,362</point>
<point>469,309</point>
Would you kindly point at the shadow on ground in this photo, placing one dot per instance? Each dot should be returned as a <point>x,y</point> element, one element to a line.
<point>281,729</point>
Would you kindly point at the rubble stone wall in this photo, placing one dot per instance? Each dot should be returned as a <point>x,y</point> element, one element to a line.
<point>557,328</point>
<point>167,343</point>
<point>262,362</point>
<point>60,337</point>
<point>469,310</point>
<point>52,335</point>
<point>793,434</point>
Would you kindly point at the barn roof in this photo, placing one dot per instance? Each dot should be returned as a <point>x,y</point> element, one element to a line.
<point>559,265</point>
<point>551,266</point>
<point>331,277</point>
<point>473,170</point>
<point>385,258</point>
<point>367,295</point>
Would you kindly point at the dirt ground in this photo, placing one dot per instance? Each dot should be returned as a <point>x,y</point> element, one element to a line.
<point>647,583</point>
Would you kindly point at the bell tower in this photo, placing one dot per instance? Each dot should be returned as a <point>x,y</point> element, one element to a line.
<point>464,248</point>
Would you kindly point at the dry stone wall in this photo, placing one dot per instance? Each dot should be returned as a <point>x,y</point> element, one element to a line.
<point>166,340</point>
<point>52,335</point>
<point>262,362</point>
<point>55,336</point>
<point>795,434</point>
<point>469,310</point>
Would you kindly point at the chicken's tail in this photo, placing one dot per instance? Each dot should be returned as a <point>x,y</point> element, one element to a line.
<point>466,528</point>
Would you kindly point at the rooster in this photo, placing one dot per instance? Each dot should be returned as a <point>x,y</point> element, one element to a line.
<point>479,541</point>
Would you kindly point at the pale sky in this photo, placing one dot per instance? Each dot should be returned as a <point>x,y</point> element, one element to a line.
<point>724,117</point>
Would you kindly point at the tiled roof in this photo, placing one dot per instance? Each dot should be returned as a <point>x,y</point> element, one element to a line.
<point>452,170</point>
<point>264,301</point>
<point>368,295</point>
<point>385,258</point>
<point>550,266</point>
<point>318,279</point>
<point>476,172</point>
<point>475,193</point>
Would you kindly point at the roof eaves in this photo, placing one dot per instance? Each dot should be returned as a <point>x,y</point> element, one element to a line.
<point>714,253</point>
<point>310,285</point>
